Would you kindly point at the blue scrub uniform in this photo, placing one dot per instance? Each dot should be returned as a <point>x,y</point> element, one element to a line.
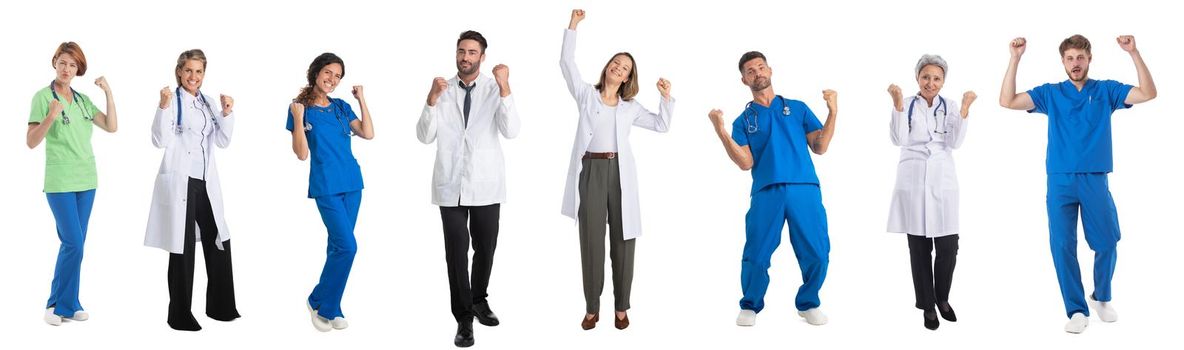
<point>784,189</point>
<point>335,182</point>
<point>1078,161</point>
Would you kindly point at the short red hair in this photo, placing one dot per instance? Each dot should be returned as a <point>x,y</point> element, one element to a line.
<point>71,48</point>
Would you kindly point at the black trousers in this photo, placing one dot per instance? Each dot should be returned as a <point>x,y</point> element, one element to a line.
<point>220,281</point>
<point>932,277</point>
<point>461,223</point>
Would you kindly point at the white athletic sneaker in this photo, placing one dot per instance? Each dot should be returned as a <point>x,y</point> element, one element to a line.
<point>51,318</point>
<point>747,318</point>
<point>1104,310</point>
<point>1077,323</point>
<point>79,316</point>
<point>814,316</point>
<point>339,323</point>
<point>318,322</point>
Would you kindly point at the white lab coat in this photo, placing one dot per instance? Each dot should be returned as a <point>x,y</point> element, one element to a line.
<point>166,218</point>
<point>629,113</point>
<point>470,169</point>
<point>925,200</point>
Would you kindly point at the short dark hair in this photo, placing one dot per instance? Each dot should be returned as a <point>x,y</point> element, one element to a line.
<point>1077,41</point>
<point>475,36</point>
<point>749,56</point>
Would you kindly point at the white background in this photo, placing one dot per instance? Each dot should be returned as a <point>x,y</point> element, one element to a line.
<point>693,198</point>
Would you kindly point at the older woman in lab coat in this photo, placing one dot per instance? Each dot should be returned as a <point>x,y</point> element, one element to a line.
<point>602,178</point>
<point>187,198</point>
<point>927,127</point>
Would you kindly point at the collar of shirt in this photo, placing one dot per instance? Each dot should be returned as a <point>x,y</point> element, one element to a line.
<point>473,84</point>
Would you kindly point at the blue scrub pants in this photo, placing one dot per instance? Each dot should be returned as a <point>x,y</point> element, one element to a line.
<point>71,212</point>
<point>1089,192</point>
<point>771,208</point>
<point>340,214</point>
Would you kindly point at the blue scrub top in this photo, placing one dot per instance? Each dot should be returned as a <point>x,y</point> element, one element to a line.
<point>780,151</point>
<point>334,169</point>
<point>1079,124</point>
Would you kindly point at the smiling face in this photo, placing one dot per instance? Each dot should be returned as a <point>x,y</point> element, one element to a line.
<point>756,74</point>
<point>191,74</point>
<point>1076,63</point>
<point>469,56</point>
<point>66,67</point>
<point>930,81</point>
<point>328,78</point>
<point>619,70</point>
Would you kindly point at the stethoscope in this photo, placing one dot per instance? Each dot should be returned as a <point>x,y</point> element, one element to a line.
<point>179,127</point>
<point>336,113</point>
<point>941,105</point>
<point>77,100</point>
<point>753,126</point>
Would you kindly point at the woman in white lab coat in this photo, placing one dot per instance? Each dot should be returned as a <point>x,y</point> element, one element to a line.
<point>187,198</point>
<point>927,127</point>
<point>602,178</point>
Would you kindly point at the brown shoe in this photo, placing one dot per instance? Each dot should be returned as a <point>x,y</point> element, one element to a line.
<point>589,323</point>
<point>622,323</point>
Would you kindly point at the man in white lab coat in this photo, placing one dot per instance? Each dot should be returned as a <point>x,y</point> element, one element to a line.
<point>464,116</point>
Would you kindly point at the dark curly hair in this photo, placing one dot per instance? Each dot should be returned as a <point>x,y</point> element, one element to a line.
<point>306,93</point>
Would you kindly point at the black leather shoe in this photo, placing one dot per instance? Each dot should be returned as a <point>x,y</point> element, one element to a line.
<point>464,335</point>
<point>947,312</point>
<point>930,320</point>
<point>485,315</point>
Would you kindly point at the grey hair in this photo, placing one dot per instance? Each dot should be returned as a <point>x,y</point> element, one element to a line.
<point>936,60</point>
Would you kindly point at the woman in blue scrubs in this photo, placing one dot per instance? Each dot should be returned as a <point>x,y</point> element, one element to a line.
<point>322,127</point>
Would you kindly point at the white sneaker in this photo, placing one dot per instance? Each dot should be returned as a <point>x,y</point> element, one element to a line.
<point>1077,323</point>
<point>339,323</point>
<point>318,322</point>
<point>79,316</point>
<point>1104,310</point>
<point>747,318</point>
<point>51,318</point>
<point>814,316</point>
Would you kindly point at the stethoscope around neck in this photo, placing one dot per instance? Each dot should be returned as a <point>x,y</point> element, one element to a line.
<point>941,105</point>
<point>77,102</point>
<point>336,113</point>
<point>753,126</point>
<point>201,98</point>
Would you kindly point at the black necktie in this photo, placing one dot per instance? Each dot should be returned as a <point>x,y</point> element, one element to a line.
<point>468,100</point>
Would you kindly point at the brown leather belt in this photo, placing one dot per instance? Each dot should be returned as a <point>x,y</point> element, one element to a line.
<point>595,155</point>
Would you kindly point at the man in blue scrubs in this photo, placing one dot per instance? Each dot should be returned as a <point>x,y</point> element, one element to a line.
<point>773,138</point>
<point>1078,160</point>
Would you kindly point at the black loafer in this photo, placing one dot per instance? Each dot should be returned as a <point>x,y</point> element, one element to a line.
<point>485,315</point>
<point>464,335</point>
<point>930,323</point>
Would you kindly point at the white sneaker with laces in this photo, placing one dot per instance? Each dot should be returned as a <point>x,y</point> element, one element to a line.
<point>814,316</point>
<point>1077,323</point>
<point>747,318</point>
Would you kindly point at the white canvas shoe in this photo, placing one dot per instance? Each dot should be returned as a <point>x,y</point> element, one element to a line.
<point>339,323</point>
<point>1077,323</point>
<point>747,318</point>
<point>79,316</point>
<point>814,316</point>
<point>1104,310</point>
<point>51,318</point>
<point>318,322</point>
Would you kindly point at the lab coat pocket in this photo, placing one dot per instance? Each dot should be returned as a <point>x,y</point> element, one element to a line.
<point>165,194</point>
<point>487,165</point>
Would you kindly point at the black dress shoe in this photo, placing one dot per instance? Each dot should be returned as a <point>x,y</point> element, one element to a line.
<point>464,335</point>
<point>485,315</point>
<point>931,320</point>
<point>947,312</point>
<point>184,323</point>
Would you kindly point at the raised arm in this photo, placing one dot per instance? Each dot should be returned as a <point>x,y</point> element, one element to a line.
<point>225,125</point>
<point>567,59</point>
<point>107,121</point>
<point>506,114</point>
<point>659,122</point>
<point>425,130</point>
<point>820,139</point>
<point>1007,96</point>
<point>898,127</point>
<point>741,155</point>
<point>1146,89</point>
<point>164,126</point>
<point>363,127</point>
<point>37,131</point>
<point>299,139</point>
